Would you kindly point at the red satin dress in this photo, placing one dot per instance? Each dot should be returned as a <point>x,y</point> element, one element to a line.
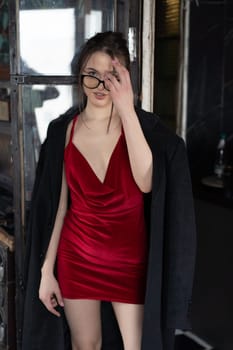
<point>102,254</point>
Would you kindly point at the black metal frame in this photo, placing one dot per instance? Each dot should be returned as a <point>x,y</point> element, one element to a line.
<point>16,128</point>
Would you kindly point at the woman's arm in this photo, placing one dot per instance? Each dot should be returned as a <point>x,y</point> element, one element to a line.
<point>49,291</point>
<point>140,155</point>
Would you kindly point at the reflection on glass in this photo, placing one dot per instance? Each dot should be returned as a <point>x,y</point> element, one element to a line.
<point>41,104</point>
<point>5,160</point>
<point>6,185</point>
<point>4,41</point>
<point>4,104</point>
<point>52,31</point>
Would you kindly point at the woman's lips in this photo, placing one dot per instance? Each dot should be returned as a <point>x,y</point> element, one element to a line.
<point>100,95</point>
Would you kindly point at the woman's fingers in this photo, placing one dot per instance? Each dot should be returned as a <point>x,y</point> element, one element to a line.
<point>120,87</point>
<point>50,295</point>
<point>121,70</point>
<point>111,81</point>
<point>119,83</point>
<point>51,304</point>
<point>59,299</point>
<point>119,79</point>
<point>54,302</point>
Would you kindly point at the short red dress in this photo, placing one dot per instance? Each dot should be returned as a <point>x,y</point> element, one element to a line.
<point>102,252</point>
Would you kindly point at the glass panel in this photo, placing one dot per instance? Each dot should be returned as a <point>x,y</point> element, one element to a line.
<point>52,31</point>
<point>4,41</point>
<point>166,60</point>
<point>41,104</point>
<point>6,182</point>
<point>4,102</point>
<point>6,185</point>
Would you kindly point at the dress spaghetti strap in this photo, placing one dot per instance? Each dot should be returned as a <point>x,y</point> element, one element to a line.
<point>72,129</point>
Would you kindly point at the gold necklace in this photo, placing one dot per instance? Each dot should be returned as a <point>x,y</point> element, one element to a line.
<point>109,121</point>
<point>83,121</point>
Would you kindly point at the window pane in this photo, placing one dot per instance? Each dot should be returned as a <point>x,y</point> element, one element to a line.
<point>52,31</point>
<point>4,41</point>
<point>6,176</point>
<point>6,183</point>
<point>41,104</point>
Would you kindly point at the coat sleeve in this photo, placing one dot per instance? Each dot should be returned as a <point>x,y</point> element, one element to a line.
<point>179,241</point>
<point>29,231</point>
<point>34,210</point>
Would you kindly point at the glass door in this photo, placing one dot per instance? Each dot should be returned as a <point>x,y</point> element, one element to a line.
<point>45,35</point>
<point>7,279</point>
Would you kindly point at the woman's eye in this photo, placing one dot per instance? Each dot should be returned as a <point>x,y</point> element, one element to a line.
<point>93,74</point>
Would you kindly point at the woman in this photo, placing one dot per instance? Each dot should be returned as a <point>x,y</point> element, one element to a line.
<point>95,244</point>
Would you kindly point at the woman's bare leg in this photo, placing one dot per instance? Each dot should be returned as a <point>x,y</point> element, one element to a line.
<point>83,317</point>
<point>130,319</point>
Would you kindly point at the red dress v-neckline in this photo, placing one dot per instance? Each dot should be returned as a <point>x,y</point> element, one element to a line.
<point>109,162</point>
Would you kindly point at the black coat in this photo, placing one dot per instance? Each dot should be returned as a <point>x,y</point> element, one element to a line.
<point>170,219</point>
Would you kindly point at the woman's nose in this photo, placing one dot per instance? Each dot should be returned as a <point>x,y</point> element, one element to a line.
<point>101,85</point>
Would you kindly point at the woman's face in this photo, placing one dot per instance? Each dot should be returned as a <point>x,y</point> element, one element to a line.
<point>98,64</point>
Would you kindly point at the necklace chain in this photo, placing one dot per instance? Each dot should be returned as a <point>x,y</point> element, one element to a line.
<point>84,123</point>
<point>109,121</point>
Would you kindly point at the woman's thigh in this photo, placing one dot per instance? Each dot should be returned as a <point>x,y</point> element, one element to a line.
<point>84,320</point>
<point>130,320</point>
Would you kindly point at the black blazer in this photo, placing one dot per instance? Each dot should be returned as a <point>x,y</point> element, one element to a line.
<point>171,228</point>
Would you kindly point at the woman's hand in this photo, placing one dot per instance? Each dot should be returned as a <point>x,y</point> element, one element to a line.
<point>140,155</point>
<point>120,89</point>
<point>49,293</point>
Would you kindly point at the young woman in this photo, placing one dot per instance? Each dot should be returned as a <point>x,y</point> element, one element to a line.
<point>120,218</point>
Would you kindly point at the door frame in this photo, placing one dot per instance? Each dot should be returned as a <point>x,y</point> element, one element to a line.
<point>17,81</point>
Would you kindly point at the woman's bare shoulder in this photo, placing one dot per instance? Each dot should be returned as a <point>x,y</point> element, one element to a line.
<point>68,132</point>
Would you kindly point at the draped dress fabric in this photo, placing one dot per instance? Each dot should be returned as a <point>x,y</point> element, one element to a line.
<point>102,252</point>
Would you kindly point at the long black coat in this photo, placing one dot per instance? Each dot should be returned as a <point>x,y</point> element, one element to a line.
<point>171,228</point>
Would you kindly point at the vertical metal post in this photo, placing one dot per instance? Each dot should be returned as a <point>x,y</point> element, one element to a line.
<point>148,49</point>
<point>16,129</point>
<point>183,71</point>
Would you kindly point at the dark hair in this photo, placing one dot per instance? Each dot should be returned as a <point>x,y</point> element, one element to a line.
<point>112,43</point>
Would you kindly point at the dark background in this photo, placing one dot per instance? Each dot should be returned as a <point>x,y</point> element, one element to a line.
<point>210,94</point>
<point>210,112</point>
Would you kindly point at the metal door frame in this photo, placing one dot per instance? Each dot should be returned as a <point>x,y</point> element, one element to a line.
<point>17,81</point>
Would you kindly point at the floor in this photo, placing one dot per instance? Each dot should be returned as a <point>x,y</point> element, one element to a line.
<point>212,310</point>
<point>190,341</point>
